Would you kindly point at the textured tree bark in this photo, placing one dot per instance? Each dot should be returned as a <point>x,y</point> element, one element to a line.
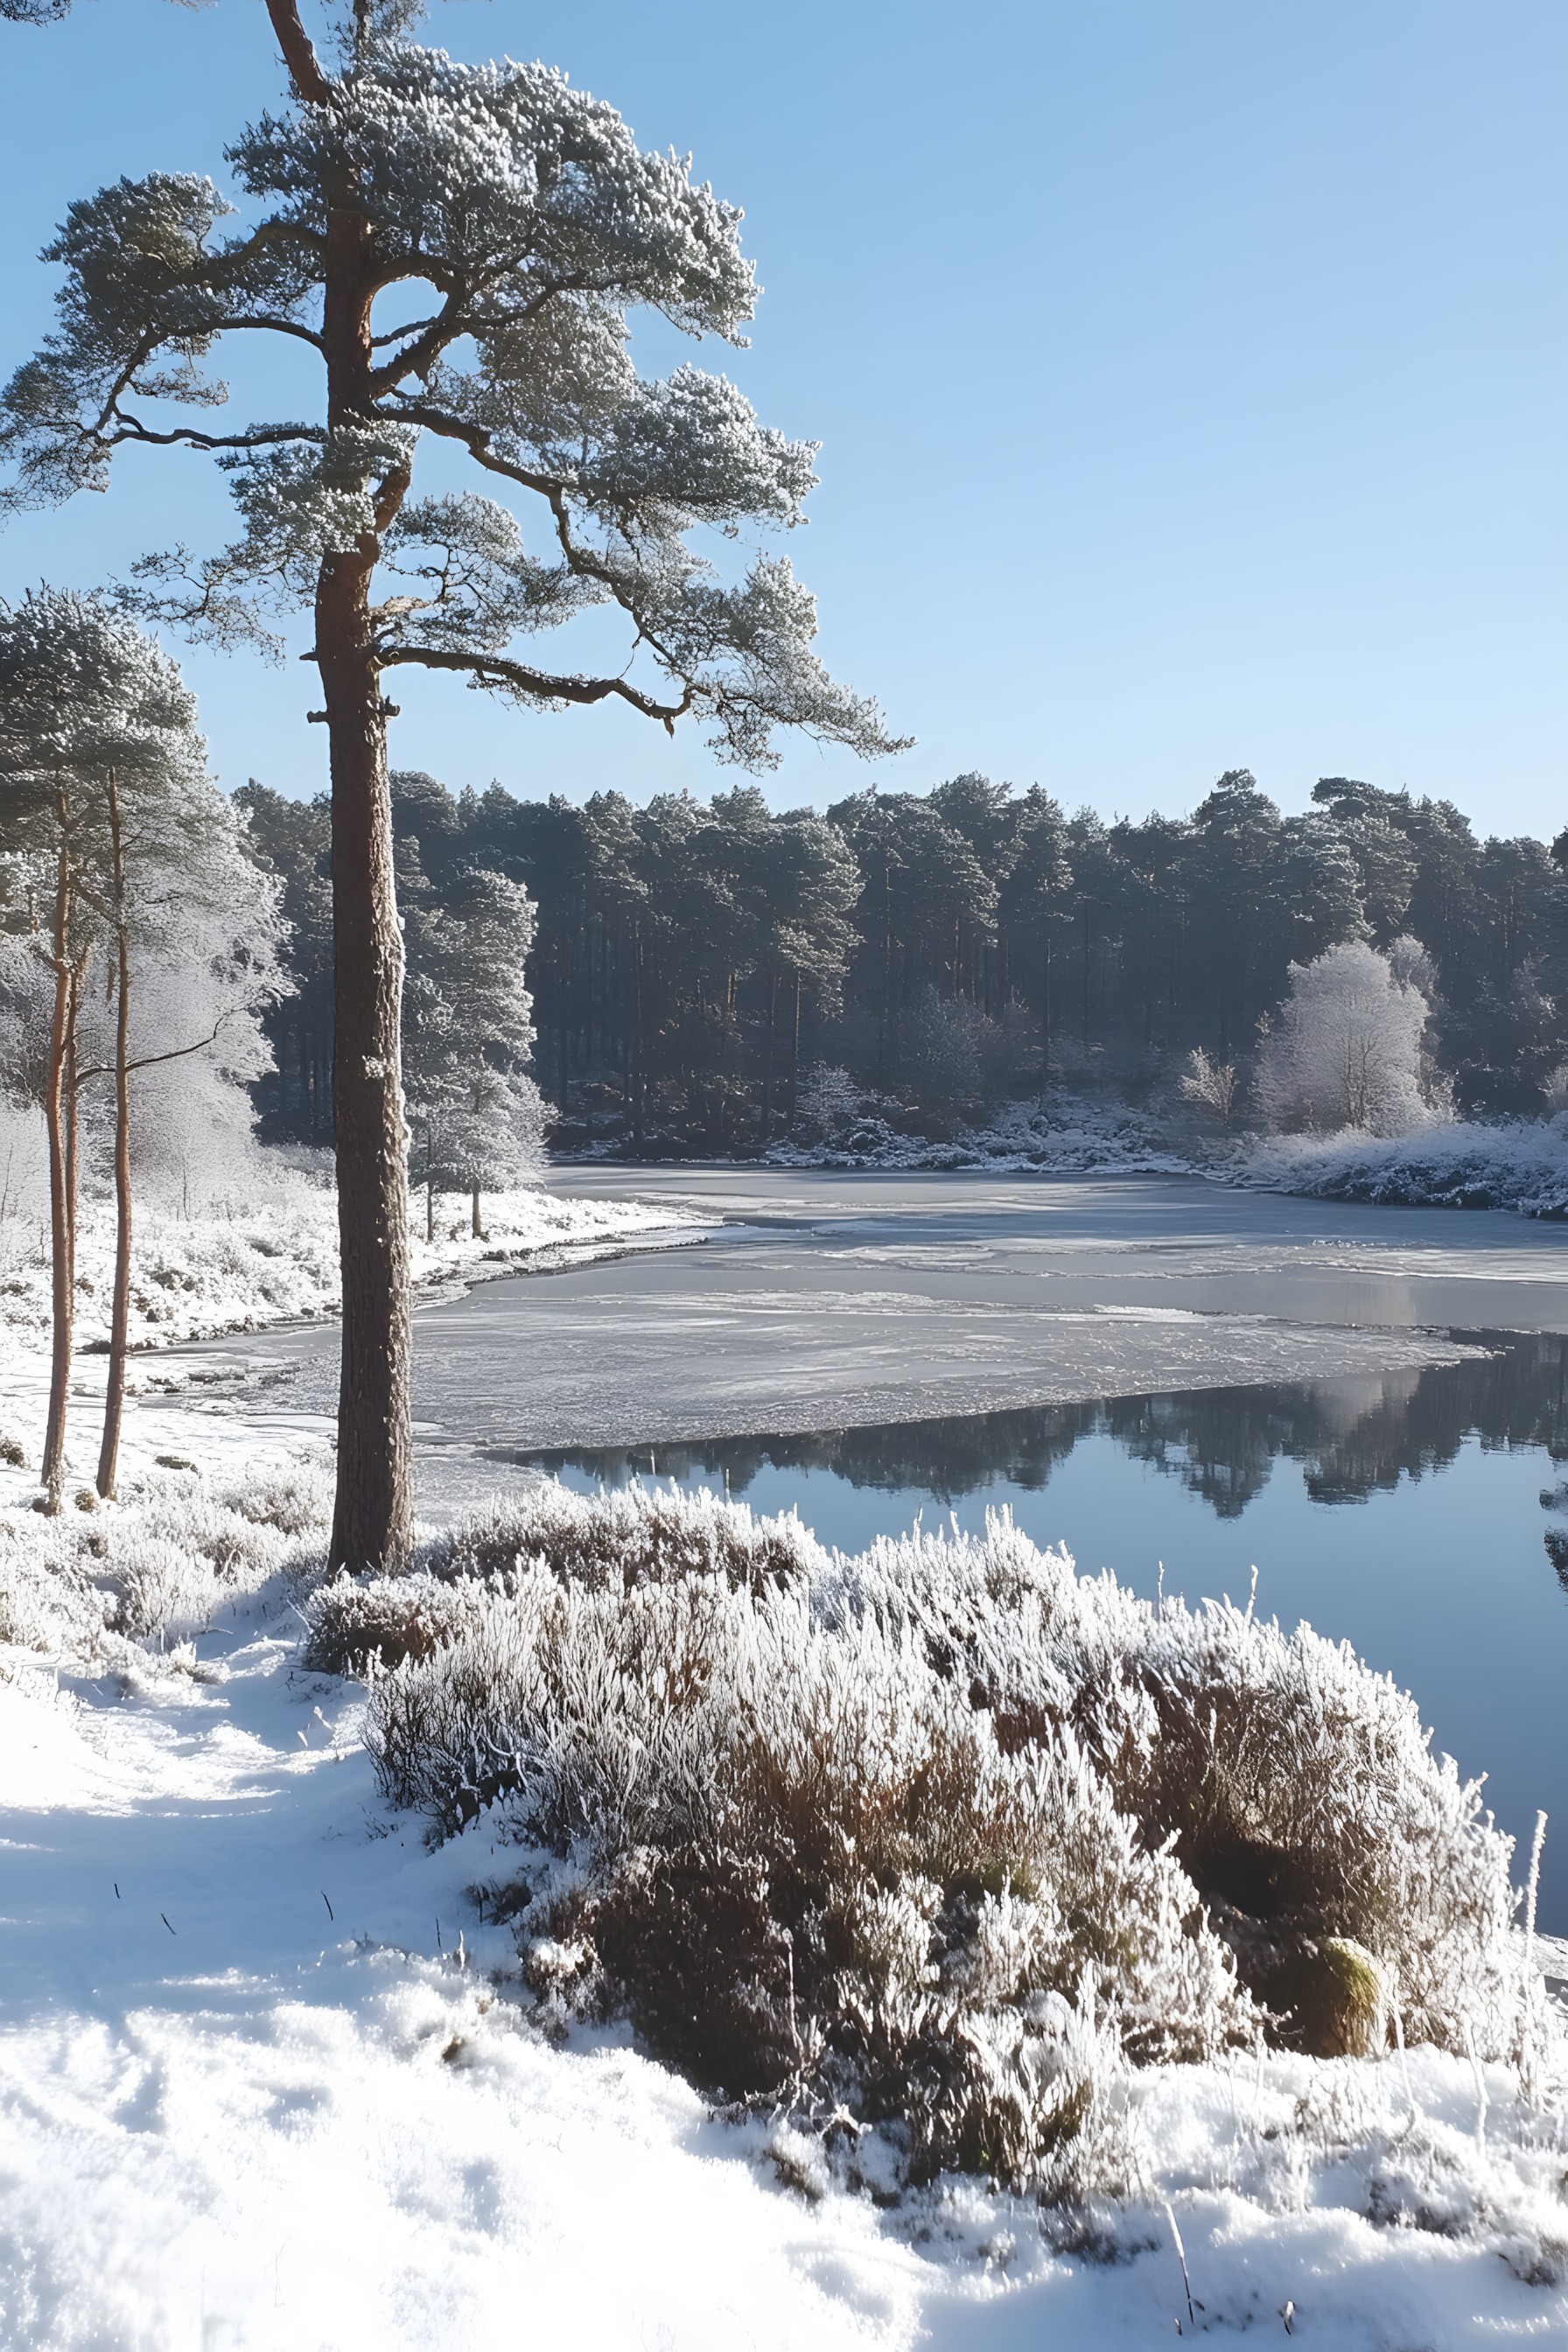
<point>63,1291</point>
<point>370,1523</point>
<point>119,1317</point>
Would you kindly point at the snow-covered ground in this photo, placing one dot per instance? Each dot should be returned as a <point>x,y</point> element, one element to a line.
<point>259,2088</point>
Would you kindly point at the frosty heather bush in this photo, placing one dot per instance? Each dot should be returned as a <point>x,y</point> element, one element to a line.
<point>157,1563</point>
<point>641,1535</point>
<point>936,1835</point>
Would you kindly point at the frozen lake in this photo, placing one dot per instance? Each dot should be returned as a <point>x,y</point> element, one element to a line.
<point>828,1300</point>
<point>1150,1369</point>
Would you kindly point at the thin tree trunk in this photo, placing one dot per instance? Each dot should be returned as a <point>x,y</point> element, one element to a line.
<point>478,1229</point>
<point>795,1056</point>
<point>371,1525</point>
<point>639,1079</point>
<point>767,1117</point>
<point>63,1294</point>
<point>119,1317</point>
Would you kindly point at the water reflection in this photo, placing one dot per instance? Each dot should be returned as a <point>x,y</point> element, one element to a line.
<point>1352,1439</point>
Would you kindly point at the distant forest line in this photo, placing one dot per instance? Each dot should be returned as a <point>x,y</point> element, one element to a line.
<point>951,950</point>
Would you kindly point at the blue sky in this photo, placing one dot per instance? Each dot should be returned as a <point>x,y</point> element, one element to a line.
<point>1190,376</point>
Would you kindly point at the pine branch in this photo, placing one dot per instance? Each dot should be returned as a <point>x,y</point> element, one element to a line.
<point>494,669</point>
<point>304,67</point>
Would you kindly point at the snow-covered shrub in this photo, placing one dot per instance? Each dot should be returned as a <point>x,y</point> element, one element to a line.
<point>356,1625</point>
<point>809,1859</point>
<point>838,1118</point>
<point>1347,1049</point>
<point>640,1535</point>
<point>151,1568</point>
<point>953,1057</point>
<point>1299,1786</point>
<point>927,1833</point>
<point>1519,1164</point>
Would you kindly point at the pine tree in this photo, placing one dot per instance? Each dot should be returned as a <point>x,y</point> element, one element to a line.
<point>529,210</point>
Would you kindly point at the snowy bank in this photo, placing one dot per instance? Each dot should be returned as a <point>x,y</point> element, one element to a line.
<point>270,2078</point>
<point>199,1277</point>
<point>1519,1164</point>
<point>1071,1136</point>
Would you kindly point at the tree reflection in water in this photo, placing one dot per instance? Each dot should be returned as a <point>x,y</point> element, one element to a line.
<point>1352,1439</point>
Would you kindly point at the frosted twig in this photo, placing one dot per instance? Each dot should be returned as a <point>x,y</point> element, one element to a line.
<point>1531,1890</point>
<point>1403,2065</point>
<point>1478,2072</point>
<point>1182,2258</point>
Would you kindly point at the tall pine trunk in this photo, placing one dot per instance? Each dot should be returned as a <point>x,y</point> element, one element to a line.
<point>119,1317</point>
<point>371,1525</point>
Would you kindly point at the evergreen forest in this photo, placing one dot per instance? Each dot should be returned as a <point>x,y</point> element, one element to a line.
<point>692,963</point>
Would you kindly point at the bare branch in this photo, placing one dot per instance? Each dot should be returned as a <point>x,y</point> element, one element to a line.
<point>187,436</point>
<point>431,339</point>
<point>273,326</point>
<point>493,669</point>
<point>150,1061</point>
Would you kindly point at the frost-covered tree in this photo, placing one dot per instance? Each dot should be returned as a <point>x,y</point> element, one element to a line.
<point>109,822</point>
<point>194,932</point>
<point>85,699</point>
<point>1214,1086</point>
<point>459,248</point>
<point>1347,1047</point>
<point>476,1116</point>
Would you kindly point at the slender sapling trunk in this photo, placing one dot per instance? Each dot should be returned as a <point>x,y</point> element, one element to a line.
<point>58,1103</point>
<point>120,1318</point>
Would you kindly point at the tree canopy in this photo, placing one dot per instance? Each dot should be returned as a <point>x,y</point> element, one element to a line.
<point>518,221</point>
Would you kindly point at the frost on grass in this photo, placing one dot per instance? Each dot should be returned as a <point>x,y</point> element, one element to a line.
<point>943,1838</point>
<point>106,1585</point>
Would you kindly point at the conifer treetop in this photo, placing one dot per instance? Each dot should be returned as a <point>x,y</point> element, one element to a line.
<point>509,227</point>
